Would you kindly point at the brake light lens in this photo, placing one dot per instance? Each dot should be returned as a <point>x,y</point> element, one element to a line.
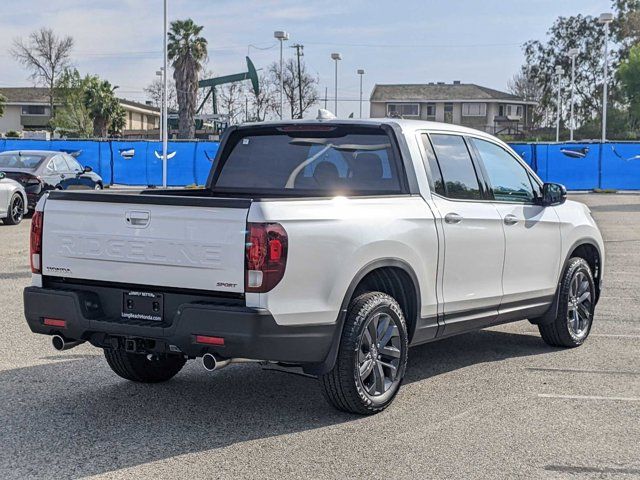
<point>35,244</point>
<point>208,340</point>
<point>55,322</point>
<point>266,256</point>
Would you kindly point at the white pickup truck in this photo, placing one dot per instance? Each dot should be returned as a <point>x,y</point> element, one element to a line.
<point>331,245</point>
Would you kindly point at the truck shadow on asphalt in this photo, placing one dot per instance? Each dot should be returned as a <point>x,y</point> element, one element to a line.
<point>76,418</point>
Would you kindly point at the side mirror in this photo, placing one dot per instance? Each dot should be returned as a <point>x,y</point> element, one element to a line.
<point>553,194</point>
<point>2,175</point>
<point>88,169</point>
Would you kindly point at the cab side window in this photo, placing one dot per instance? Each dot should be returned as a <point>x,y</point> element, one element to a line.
<point>74,166</point>
<point>458,172</point>
<point>59,164</point>
<point>510,181</point>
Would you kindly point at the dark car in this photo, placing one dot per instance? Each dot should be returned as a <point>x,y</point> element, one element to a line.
<point>41,170</point>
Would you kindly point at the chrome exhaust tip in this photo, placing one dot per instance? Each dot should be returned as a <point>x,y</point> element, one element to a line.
<point>212,362</point>
<point>60,343</point>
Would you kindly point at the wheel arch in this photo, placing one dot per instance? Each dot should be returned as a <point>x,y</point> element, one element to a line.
<point>389,275</point>
<point>589,250</point>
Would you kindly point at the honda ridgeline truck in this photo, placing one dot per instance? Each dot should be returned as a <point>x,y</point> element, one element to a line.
<point>330,245</point>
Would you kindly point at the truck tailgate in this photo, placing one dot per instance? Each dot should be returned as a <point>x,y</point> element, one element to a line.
<point>169,241</point>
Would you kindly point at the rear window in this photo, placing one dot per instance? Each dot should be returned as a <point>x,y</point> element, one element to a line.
<point>330,162</point>
<point>14,160</point>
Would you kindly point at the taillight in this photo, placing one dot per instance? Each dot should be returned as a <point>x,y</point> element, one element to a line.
<point>266,256</point>
<point>35,245</point>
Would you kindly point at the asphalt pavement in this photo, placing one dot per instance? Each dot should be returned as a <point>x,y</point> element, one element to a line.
<point>497,403</point>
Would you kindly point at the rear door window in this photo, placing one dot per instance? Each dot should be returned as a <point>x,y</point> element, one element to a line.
<point>60,165</point>
<point>337,160</point>
<point>458,172</point>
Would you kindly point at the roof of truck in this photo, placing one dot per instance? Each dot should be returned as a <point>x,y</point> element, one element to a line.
<point>404,124</point>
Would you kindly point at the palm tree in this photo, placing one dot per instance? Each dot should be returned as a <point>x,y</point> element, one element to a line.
<point>103,106</point>
<point>187,52</point>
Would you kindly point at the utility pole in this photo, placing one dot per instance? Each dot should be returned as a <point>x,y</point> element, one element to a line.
<point>165,94</point>
<point>336,57</point>
<point>361,73</point>
<point>573,53</point>
<point>299,53</point>
<point>605,19</point>
<point>326,89</point>
<point>281,36</point>
<point>559,73</point>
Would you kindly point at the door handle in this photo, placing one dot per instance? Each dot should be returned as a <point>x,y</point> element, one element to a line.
<point>452,218</point>
<point>62,176</point>
<point>510,219</point>
<point>137,218</point>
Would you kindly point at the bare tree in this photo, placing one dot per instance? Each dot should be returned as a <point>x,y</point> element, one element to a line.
<point>265,102</point>
<point>154,93</point>
<point>46,55</point>
<point>291,86</point>
<point>232,101</point>
<point>524,84</point>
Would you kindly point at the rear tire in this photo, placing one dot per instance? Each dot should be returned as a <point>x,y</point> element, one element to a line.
<point>16,210</point>
<point>576,305</point>
<point>137,368</point>
<point>372,356</point>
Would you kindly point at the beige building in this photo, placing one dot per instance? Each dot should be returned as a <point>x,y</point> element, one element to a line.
<point>470,105</point>
<point>140,116</point>
<point>27,108</point>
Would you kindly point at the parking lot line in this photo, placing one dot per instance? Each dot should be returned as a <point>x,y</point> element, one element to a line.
<point>578,370</point>
<point>600,335</point>
<point>588,397</point>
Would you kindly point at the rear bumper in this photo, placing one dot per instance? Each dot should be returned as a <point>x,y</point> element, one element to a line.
<point>247,332</point>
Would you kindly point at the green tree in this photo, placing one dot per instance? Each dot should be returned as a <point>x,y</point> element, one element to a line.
<point>2,102</point>
<point>626,25</point>
<point>187,52</point>
<point>629,78</point>
<point>72,117</point>
<point>103,106</point>
<point>542,58</point>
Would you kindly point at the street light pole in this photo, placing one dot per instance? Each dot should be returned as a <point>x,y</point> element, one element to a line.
<point>281,36</point>
<point>336,57</point>
<point>165,94</point>
<point>573,53</point>
<point>605,19</point>
<point>361,73</point>
<point>559,73</point>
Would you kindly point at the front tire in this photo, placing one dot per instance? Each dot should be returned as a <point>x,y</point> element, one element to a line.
<point>16,210</point>
<point>372,356</point>
<point>576,305</point>
<point>138,368</point>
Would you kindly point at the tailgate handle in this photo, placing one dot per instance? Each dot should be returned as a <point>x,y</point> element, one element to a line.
<point>137,218</point>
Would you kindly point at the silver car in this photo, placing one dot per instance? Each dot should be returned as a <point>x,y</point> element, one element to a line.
<point>13,201</point>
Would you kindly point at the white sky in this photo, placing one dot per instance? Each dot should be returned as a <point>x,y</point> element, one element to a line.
<point>406,41</point>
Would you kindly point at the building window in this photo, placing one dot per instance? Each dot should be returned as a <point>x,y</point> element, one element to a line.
<point>448,112</point>
<point>431,110</point>
<point>33,110</point>
<point>514,110</point>
<point>474,109</point>
<point>403,109</point>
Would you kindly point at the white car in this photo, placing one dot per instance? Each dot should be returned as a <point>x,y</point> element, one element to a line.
<point>331,245</point>
<point>13,201</point>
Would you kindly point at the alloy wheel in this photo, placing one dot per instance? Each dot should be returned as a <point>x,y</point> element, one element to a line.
<point>17,209</point>
<point>379,354</point>
<point>580,305</point>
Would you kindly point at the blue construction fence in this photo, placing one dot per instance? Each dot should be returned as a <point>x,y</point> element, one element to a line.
<point>585,166</point>
<point>132,162</point>
<point>579,166</point>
